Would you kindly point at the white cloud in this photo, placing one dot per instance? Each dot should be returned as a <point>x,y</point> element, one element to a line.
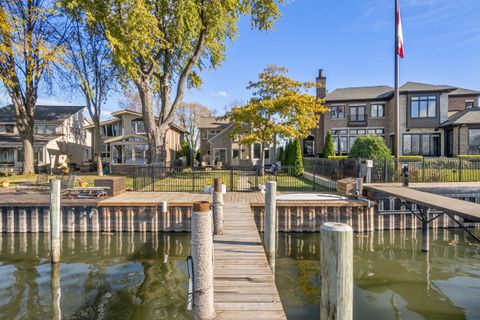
<point>220,93</point>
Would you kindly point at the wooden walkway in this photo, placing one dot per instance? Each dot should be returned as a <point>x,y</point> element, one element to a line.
<point>243,281</point>
<point>458,207</point>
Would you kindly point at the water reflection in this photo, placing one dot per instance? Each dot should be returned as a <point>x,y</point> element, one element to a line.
<point>393,278</point>
<point>101,276</point>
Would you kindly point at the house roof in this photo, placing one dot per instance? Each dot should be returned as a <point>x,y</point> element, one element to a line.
<point>213,123</point>
<point>140,115</point>
<point>468,116</point>
<point>15,138</point>
<point>42,112</point>
<point>386,92</point>
<point>422,87</point>
<point>103,123</point>
<point>120,138</point>
<point>360,93</point>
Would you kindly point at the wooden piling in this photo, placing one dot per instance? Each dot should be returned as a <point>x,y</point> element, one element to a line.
<point>426,231</point>
<point>336,271</point>
<point>56,290</point>
<point>202,255</point>
<point>217,207</point>
<point>270,217</point>
<point>55,211</point>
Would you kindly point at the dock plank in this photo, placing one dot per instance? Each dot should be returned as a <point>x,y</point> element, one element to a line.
<point>244,285</point>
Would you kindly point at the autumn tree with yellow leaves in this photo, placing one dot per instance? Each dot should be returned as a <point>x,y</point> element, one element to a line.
<point>162,46</point>
<point>280,106</point>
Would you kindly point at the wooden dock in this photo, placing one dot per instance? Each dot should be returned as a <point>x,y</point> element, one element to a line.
<point>244,284</point>
<point>445,204</point>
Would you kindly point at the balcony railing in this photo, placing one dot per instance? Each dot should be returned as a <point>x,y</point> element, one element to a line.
<point>357,119</point>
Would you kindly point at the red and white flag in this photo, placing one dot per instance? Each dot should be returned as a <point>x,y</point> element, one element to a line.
<point>400,51</point>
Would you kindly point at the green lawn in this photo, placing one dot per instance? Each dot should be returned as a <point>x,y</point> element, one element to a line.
<point>291,183</point>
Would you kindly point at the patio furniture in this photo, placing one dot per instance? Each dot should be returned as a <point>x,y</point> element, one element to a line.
<point>86,192</point>
<point>40,183</point>
<point>115,185</point>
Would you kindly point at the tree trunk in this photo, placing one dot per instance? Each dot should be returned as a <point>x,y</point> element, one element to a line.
<point>28,157</point>
<point>274,153</point>
<point>97,147</point>
<point>154,140</point>
<point>262,160</point>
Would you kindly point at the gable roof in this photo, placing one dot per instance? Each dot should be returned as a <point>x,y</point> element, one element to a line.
<point>213,123</point>
<point>119,113</point>
<point>42,112</point>
<point>360,93</point>
<point>468,116</point>
<point>421,87</point>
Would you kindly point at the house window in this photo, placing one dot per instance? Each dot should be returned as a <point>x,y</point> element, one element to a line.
<point>338,112</point>
<point>474,141</point>
<point>9,128</point>
<point>204,134</point>
<point>308,146</point>
<point>423,107</point>
<point>357,114</point>
<point>212,133</point>
<point>421,144</point>
<point>138,127</point>
<point>6,156</point>
<point>235,154</point>
<point>469,104</point>
<point>219,155</point>
<point>378,110</point>
<point>344,139</point>
<point>44,129</point>
<point>256,151</point>
<point>267,153</point>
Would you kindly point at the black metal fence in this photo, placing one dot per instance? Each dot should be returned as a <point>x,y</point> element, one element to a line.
<point>334,169</point>
<point>427,169</point>
<point>319,177</point>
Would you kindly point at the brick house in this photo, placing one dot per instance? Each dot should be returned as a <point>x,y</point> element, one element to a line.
<point>428,118</point>
<point>217,145</point>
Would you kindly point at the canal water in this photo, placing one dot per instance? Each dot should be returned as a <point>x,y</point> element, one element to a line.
<point>144,276</point>
<point>393,279</point>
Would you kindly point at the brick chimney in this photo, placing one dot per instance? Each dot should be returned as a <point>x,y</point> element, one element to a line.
<point>321,85</point>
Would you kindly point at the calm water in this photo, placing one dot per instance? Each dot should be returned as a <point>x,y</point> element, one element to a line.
<point>393,278</point>
<point>118,276</point>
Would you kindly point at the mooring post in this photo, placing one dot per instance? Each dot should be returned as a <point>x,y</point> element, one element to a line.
<point>336,271</point>
<point>202,255</point>
<point>425,230</point>
<point>270,217</point>
<point>55,211</point>
<point>217,207</point>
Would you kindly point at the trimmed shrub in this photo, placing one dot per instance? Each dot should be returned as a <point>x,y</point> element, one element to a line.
<point>369,147</point>
<point>298,158</point>
<point>284,157</point>
<point>329,149</point>
<point>186,152</point>
<point>338,157</point>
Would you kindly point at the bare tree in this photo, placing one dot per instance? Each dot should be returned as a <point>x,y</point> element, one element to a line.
<point>90,69</point>
<point>188,115</point>
<point>31,37</point>
<point>131,101</point>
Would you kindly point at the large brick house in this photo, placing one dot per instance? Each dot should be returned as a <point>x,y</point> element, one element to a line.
<point>435,120</point>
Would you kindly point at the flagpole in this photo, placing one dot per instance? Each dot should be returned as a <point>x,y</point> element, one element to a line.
<point>397,91</point>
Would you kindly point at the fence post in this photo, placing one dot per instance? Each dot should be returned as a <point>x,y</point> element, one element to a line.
<point>202,256</point>
<point>270,217</point>
<point>460,169</point>
<point>336,271</point>
<point>55,211</point>
<point>217,206</point>
<point>385,169</point>
<point>423,169</point>
<point>231,180</point>
<point>153,177</point>
<point>193,179</point>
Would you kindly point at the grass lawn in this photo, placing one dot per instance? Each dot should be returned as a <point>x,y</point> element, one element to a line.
<point>292,183</point>
<point>183,181</point>
<point>89,178</point>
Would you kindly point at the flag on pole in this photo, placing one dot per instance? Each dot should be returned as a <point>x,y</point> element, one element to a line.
<point>400,50</point>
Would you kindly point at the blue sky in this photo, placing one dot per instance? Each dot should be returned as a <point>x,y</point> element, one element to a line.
<point>352,40</point>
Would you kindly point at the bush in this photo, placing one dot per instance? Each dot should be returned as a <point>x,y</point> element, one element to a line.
<point>337,157</point>
<point>329,149</point>
<point>369,147</point>
<point>185,151</point>
<point>469,156</point>
<point>298,158</point>
<point>284,157</point>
